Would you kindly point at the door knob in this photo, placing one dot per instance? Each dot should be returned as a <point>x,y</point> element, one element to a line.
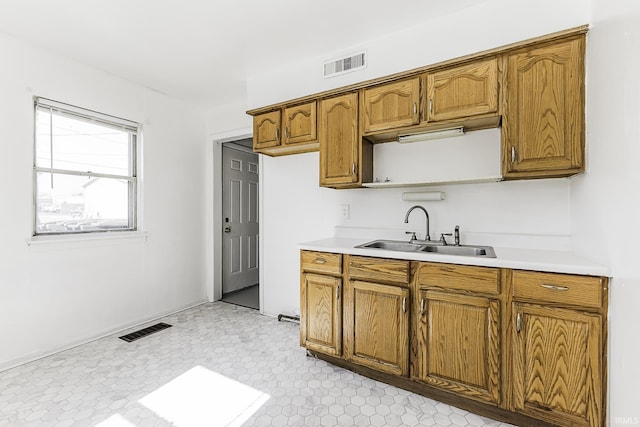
<point>227,229</point>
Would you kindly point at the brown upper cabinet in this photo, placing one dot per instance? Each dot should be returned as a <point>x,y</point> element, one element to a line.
<point>266,130</point>
<point>300,124</point>
<point>341,147</point>
<point>289,130</point>
<point>543,126</point>
<point>463,91</point>
<point>535,88</point>
<point>391,105</point>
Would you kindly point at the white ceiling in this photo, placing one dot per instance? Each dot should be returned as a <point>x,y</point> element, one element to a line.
<point>203,51</point>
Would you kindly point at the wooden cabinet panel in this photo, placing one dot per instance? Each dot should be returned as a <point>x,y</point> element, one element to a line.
<point>557,365</point>
<point>565,289</point>
<point>464,91</point>
<point>380,270</point>
<point>391,105</point>
<point>378,334</point>
<point>459,345</point>
<point>321,262</point>
<point>266,130</point>
<point>299,124</point>
<point>543,123</point>
<point>321,313</point>
<point>459,277</point>
<point>338,137</point>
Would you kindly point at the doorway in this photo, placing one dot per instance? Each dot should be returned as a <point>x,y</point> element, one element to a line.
<point>240,234</point>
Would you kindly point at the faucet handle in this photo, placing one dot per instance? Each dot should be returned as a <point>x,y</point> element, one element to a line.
<point>413,235</point>
<point>443,240</point>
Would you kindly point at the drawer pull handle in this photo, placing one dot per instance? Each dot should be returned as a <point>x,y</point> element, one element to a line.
<point>422,306</point>
<point>320,261</point>
<point>555,287</point>
<point>415,108</point>
<point>337,293</point>
<point>518,323</point>
<point>404,304</point>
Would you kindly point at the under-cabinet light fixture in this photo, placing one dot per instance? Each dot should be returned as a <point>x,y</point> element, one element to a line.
<point>436,134</point>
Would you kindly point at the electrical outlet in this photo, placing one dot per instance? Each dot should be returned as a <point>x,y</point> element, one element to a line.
<point>344,211</point>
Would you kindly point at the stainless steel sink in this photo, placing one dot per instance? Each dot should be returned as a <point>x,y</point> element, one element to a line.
<point>393,245</point>
<point>430,247</point>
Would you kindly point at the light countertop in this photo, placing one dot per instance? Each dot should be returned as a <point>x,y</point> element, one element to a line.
<point>513,258</point>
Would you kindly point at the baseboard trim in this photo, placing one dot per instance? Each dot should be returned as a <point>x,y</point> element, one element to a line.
<point>116,330</point>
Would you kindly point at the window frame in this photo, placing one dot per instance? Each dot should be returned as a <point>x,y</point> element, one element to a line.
<point>134,131</point>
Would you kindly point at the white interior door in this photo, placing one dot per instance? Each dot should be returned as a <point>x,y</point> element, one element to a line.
<point>239,219</point>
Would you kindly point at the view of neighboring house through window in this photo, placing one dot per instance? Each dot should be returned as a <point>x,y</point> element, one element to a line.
<point>84,170</point>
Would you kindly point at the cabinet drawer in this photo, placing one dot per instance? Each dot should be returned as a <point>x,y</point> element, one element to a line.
<point>556,288</point>
<point>460,277</point>
<point>380,270</point>
<point>321,262</point>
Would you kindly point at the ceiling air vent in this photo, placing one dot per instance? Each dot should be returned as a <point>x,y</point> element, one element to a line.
<point>335,67</point>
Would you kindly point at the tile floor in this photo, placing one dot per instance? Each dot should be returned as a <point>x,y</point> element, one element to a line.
<point>219,365</point>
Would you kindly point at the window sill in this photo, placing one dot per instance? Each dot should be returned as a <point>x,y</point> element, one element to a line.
<point>113,236</point>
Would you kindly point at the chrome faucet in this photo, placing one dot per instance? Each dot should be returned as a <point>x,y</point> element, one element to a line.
<point>406,218</point>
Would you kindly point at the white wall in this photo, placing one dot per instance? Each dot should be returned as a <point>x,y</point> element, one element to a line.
<point>53,295</point>
<point>605,202</point>
<point>490,24</point>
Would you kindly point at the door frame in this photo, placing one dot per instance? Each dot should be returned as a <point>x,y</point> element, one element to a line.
<point>214,216</point>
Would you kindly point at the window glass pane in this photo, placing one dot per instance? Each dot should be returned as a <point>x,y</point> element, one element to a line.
<point>70,203</point>
<point>81,145</point>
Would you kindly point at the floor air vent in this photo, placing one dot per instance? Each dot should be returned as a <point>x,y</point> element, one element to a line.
<point>335,67</point>
<point>144,332</point>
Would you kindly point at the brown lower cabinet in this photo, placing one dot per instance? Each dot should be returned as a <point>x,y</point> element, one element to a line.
<point>521,346</point>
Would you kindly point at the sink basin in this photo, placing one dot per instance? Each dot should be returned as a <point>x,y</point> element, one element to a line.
<point>393,245</point>
<point>463,250</point>
<point>430,247</point>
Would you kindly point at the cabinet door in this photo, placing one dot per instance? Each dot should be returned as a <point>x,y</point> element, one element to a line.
<point>391,105</point>
<point>300,124</point>
<point>557,365</point>
<point>321,313</point>
<point>338,137</point>
<point>464,91</point>
<point>266,130</point>
<point>378,330</point>
<point>459,346</point>
<point>543,122</point>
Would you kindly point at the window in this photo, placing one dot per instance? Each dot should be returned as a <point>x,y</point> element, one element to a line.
<point>84,170</point>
